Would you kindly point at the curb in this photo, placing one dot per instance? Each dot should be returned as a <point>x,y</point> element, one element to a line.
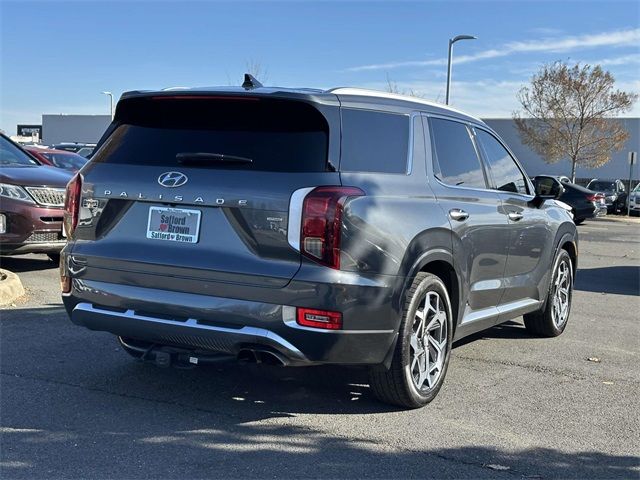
<point>10,287</point>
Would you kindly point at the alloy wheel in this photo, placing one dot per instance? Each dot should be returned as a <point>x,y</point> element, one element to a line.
<point>428,341</point>
<point>561,300</point>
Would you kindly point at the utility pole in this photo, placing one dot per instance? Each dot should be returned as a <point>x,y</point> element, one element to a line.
<point>633,157</point>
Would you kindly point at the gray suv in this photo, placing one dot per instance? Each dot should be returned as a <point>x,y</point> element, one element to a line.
<point>303,227</point>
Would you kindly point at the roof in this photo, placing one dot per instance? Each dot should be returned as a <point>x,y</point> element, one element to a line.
<point>315,95</point>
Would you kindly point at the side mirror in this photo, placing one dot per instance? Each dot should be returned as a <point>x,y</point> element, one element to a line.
<point>546,188</point>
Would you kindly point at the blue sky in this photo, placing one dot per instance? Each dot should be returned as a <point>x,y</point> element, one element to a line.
<point>56,57</point>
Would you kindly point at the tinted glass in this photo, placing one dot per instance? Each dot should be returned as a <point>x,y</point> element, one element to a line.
<point>455,159</point>
<point>277,136</point>
<point>374,141</point>
<point>12,156</point>
<point>506,174</point>
<point>68,161</point>
<point>602,186</point>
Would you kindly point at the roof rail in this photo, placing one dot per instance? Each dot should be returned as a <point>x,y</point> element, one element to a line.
<point>395,96</point>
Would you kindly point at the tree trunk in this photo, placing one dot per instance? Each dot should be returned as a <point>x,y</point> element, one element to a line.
<point>574,161</point>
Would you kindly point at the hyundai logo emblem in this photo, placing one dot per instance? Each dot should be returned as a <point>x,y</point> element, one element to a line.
<point>172,179</point>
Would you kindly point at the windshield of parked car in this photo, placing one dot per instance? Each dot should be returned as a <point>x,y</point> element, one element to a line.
<point>12,156</point>
<point>602,186</point>
<point>68,161</point>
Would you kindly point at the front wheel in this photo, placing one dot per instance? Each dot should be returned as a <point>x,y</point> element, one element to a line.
<point>552,321</point>
<point>423,348</point>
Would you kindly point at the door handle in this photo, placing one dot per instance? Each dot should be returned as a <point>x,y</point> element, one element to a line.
<point>515,216</point>
<point>458,214</point>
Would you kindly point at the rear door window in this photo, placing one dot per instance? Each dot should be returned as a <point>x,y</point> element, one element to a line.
<point>374,141</point>
<point>277,136</point>
<point>455,159</point>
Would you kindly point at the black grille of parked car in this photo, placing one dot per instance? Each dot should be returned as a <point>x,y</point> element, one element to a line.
<point>45,237</point>
<point>50,197</point>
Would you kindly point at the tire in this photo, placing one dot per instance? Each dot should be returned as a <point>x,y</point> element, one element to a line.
<point>578,221</point>
<point>398,385</point>
<point>553,319</point>
<point>54,257</point>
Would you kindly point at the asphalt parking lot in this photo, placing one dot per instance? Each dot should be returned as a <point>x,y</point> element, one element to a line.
<point>74,406</point>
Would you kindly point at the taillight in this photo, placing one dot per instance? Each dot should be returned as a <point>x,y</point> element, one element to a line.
<point>309,317</point>
<point>591,198</point>
<point>72,204</point>
<point>321,223</point>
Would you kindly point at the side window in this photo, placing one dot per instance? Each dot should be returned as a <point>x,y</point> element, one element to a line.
<point>455,159</point>
<point>374,141</point>
<point>506,174</point>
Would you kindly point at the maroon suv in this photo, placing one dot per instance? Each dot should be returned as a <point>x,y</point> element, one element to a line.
<point>31,203</point>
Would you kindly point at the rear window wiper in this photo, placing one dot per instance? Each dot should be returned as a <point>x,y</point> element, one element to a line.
<point>203,157</point>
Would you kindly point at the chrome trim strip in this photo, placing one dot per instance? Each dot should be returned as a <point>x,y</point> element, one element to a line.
<point>499,310</point>
<point>295,216</point>
<point>193,323</point>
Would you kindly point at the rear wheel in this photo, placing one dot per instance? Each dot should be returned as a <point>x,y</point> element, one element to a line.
<point>422,352</point>
<point>578,221</point>
<point>552,321</point>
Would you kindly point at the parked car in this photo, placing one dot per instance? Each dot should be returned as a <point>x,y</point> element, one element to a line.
<point>305,227</point>
<point>614,191</point>
<point>72,146</point>
<point>634,201</point>
<point>58,158</point>
<point>584,203</point>
<point>32,200</point>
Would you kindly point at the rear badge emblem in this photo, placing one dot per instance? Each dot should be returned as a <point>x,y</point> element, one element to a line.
<point>172,179</point>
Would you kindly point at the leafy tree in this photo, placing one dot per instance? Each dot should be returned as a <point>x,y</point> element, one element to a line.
<point>567,113</point>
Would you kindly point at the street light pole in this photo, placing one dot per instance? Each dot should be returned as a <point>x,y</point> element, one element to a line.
<point>451,42</point>
<point>110,103</point>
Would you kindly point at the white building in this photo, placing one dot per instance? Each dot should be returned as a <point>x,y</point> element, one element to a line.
<point>58,128</point>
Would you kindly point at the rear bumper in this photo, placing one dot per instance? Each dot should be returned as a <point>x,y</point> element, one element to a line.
<point>226,325</point>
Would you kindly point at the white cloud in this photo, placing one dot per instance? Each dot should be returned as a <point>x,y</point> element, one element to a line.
<point>613,61</point>
<point>563,44</point>
<point>487,98</point>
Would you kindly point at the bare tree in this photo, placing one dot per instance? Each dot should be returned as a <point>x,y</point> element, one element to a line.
<point>392,87</point>
<point>566,113</point>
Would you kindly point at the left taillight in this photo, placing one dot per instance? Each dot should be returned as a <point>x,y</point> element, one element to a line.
<point>72,204</point>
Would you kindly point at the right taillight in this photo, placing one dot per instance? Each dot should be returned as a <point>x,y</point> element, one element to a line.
<point>321,223</point>
<point>591,198</point>
<point>72,204</point>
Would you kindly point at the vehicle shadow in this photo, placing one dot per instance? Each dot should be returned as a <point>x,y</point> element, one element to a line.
<point>30,263</point>
<point>620,280</point>
<point>78,407</point>
<point>511,330</point>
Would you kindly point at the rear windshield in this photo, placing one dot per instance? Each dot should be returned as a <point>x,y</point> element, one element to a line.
<point>603,185</point>
<point>277,136</point>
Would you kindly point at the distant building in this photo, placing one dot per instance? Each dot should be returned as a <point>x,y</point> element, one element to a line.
<point>73,128</point>
<point>617,167</point>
